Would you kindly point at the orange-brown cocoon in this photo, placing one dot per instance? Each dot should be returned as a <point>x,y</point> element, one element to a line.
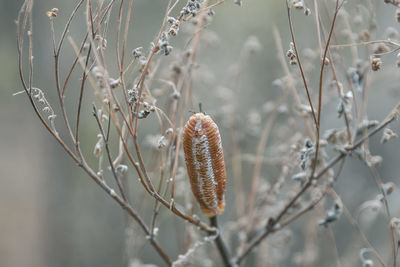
<point>205,163</point>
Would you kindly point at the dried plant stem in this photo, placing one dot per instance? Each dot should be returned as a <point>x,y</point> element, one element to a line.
<point>281,57</point>
<point>140,83</point>
<point>56,54</point>
<point>113,170</point>
<point>321,35</point>
<point>299,63</point>
<point>321,76</point>
<point>354,56</point>
<point>81,97</point>
<point>78,55</point>
<point>223,250</point>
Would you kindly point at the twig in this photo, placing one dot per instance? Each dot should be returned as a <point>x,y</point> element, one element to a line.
<point>335,76</point>
<point>105,139</point>
<point>81,97</point>
<point>366,43</point>
<point>321,75</point>
<point>299,62</point>
<point>223,250</point>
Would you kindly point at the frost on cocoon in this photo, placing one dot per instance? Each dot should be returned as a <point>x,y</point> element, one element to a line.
<point>205,163</point>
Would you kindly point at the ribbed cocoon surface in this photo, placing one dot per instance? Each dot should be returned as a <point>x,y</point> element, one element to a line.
<point>205,163</point>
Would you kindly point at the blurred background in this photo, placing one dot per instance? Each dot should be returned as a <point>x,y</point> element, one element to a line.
<point>52,214</point>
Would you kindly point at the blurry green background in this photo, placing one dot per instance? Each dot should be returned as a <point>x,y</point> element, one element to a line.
<point>52,214</point>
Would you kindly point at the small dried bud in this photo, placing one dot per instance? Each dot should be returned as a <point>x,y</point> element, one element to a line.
<point>115,83</point>
<point>332,215</point>
<point>364,35</point>
<point>142,114</point>
<point>161,142</point>
<point>238,2</point>
<point>98,148</point>
<point>388,187</point>
<point>395,224</point>
<point>192,7</point>
<point>176,95</point>
<point>376,63</point>
<point>137,52</point>
<point>381,48</point>
<point>86,46</point>
<point>171,20</point>
<point>366,125</point>
<point>326,61</point>
<point>122,169</point>
<point>210,12</point>
<point>298,4</point>
<point>51,14</point>
<point>173,31</point>
<point>51,117</point>
<point>169,131</point>
<point>365,262</point>
<point>300,177</point>
<point>368,263</point>
<point>373,161</point>
<point>168,50</point>
<point>112,193</point>
<point>132,96</point>
<point>291,54</point>
<point>387,135</point>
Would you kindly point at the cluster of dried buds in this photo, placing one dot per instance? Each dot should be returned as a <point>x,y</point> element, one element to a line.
<point>52,13</point>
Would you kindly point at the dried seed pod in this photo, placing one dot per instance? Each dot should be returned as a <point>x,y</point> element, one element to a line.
<point>205,163</point>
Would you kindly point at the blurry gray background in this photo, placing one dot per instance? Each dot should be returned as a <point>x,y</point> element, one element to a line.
<point>51,214</point>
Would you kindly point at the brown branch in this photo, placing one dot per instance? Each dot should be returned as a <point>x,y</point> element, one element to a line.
<point>321,75</point>
<point>223,250</point>
<point>335,77</point>
<point>299,63</point>
<point>83,80</point>
<point>113,170</point>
